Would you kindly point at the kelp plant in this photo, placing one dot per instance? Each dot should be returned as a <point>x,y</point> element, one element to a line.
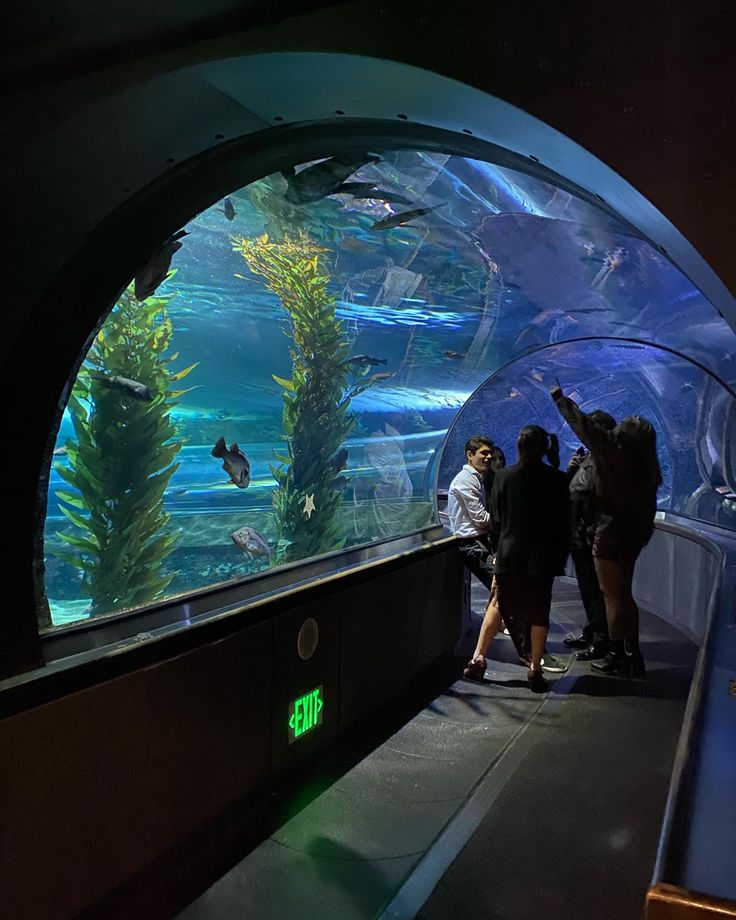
<point>315,416</point>
<point>122,458</point>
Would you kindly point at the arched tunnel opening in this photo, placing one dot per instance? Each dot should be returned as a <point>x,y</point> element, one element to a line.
<point>433,276</point>
<point>278,348</point>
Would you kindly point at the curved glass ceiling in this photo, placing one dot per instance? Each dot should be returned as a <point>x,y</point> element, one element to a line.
<point>431,272</point>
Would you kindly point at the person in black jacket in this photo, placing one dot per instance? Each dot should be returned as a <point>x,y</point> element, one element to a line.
<point>530,514</point>
<point>593,640</point>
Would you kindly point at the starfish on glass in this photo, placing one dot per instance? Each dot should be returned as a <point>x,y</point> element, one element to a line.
<point>309,505</point>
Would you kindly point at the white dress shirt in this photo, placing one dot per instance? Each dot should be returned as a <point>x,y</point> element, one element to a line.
<point>466,505</point>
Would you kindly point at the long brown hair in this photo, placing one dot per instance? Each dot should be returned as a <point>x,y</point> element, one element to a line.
<point>636,436</point>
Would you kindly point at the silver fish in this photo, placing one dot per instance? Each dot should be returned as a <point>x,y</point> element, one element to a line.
<point>251,542</point>
<point>366,360</point>
<point>234,462</point>
<point>124,385</point>
<point>398,220</point>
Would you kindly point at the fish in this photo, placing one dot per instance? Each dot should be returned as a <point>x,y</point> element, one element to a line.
<point>251,542</point>
<point>418,420</point>
<point>129,387</point>
<point>368,190</point>
<point>340,460</point>
<point>366,360</point>
<point>227,209</point>
<point>234,462</point>
<point>398,220</point>
<point>513,393</point>
<point>324,178</point>
<point>157,268</point>
<point>456,355</point>
<point>340,483</point>
<point>60,451</point>
<point>383,375</point>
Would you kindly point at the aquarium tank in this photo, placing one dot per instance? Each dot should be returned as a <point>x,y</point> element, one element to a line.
<point>295,371</point>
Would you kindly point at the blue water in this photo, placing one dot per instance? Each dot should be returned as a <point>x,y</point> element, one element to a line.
<point>503,267</point>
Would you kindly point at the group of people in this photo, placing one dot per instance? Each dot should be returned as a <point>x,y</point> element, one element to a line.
<point>517,525</point>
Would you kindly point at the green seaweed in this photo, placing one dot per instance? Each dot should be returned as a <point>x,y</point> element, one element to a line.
<point>121,460</point>
<point>316,418</point>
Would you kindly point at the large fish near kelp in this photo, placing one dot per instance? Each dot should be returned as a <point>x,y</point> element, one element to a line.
<point>234,462</point>
<point>132,388</point>
<point>251,542</point>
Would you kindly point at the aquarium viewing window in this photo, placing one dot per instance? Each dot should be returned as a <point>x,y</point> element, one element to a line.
<point>277,381</point>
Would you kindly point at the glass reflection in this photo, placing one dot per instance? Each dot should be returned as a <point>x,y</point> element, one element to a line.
<point>278,379</point>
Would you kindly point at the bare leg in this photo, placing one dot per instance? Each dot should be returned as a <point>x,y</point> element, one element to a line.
<point>622,613</point>
<point>490,626</point>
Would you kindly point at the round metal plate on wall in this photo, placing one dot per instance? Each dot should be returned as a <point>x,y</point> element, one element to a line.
<point>308,639</point>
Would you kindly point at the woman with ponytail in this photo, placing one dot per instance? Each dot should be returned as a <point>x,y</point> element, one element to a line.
<point>627,477</point>
<point>530,513</point>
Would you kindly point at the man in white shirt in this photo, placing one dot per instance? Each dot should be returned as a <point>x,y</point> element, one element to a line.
<point>470,521</point>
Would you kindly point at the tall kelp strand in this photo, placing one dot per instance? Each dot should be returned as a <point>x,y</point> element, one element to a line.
<point>316,399</point>
<point>122,457</point>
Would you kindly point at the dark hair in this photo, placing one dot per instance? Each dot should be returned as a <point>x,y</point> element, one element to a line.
<point>498,460</point>
<point>535,443</point>
<point>474,444</point>
<point>602,419</point>
<point>636,436</point>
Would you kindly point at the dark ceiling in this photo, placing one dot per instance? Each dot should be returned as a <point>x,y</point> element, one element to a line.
<point>647,87</point>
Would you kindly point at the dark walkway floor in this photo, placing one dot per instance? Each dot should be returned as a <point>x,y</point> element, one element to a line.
<point>514,806</point>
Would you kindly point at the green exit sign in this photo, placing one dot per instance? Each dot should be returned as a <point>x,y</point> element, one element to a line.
<point>305,714</point>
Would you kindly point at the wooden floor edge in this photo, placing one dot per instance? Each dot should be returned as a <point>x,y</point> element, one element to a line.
<point>668,902</point>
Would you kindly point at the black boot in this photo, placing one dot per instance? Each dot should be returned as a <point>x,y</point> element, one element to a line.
<point>593,652</point>
<point>636,666</point>
<point>616,660</point>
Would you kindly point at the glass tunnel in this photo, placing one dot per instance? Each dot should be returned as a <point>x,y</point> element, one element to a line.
<point>295,372</point>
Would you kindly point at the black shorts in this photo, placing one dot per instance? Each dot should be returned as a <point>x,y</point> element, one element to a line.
<point>478,558</point>
<point>620,538</point>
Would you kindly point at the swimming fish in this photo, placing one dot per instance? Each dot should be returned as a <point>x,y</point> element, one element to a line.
<point>324,178</point>
<point>340,460</point>
<point>60,451</point>
<point>157,267</point>
<point>340,483</point>
<point>124,385</point>
<point>251,542</point>
<point>366,360</point>
<point>398,220</point>
<point>368,190</point>
<point>227,209</point>
<point>456,355</point>
<point>234,462</point>
<point>383,375</point>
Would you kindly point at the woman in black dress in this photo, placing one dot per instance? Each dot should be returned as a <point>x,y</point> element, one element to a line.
<point>530,513</point>
<point>627,476</point>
